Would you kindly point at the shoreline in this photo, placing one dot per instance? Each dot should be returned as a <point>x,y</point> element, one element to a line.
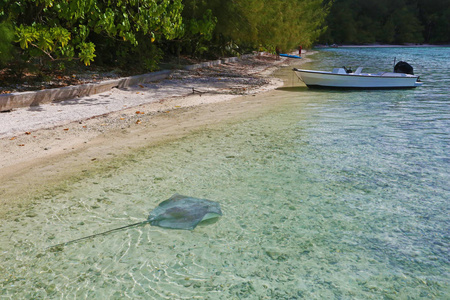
<point>51,144</point>
<point>382,46</point>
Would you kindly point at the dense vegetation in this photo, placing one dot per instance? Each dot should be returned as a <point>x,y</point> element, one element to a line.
<point>388,21</point>
<point>56,33</point>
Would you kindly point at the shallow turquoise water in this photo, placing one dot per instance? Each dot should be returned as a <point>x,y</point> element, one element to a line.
<point>329,195</point>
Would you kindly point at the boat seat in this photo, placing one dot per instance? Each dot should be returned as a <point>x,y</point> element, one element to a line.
<point>358,71</point>
<point>339,71</point>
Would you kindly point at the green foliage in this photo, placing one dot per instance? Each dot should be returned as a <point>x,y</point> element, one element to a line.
<point>197,29</point>
<point>388,21</point>
<point>230,27</point>
<point>267,23</point>
<point>6,39</point>
<point>138,32</point>
<point>435,18</point>
<point>86,52</point>
<point>64,29</point>
<point>203,27</point>
<point>46,39</point>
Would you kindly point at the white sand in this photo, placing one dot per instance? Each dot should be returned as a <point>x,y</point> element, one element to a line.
<point>30,119</point>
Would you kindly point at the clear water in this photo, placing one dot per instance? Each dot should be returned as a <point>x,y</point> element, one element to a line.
<point>329,195</point>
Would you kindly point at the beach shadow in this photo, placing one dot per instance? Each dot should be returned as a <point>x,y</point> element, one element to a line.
<point>85,101</point>
<point>293,89</point>
<point>36,108</point>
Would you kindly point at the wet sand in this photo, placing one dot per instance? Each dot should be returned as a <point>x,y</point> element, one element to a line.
<point>51,145</point>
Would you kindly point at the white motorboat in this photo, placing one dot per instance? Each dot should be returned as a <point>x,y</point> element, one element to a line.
<point>344,78</point>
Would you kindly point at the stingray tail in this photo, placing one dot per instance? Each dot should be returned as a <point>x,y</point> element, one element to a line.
<point>97,234</point>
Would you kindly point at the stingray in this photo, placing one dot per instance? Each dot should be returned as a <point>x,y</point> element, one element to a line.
<point>177,212</point>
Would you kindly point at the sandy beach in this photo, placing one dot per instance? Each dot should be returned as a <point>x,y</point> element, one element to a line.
<point>46,145</point>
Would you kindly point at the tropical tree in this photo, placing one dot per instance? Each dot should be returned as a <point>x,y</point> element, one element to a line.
<point>269,23</point>
<point>68,29</point>
<point>435,18</point>
<point>388,21</point>
<point>6,39</point>
<point>138,32</point>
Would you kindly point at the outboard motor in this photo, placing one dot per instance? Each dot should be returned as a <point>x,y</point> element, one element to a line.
<point>349,70</point>
<point>403,67</point>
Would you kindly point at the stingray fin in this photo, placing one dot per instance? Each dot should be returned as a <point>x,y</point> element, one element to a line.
<point>211,215</point>
<point>175,197</point>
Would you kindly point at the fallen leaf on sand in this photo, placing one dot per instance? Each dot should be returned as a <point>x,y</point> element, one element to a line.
<point>66,129</point>
<point>21,145</point>
<point>138,122</point>
<point>13,138</point>
<point>141,86</point>
<point>27,133</point>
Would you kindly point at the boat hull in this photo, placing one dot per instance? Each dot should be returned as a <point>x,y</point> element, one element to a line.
<point>319,79</point>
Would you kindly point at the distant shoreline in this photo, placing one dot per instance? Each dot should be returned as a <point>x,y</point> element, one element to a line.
<point>383,46</point>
